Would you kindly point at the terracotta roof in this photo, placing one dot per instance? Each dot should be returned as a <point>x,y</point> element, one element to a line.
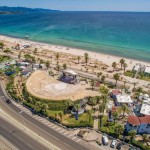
<point>133,120</point>
<point>143,120</point>
<point>116,92</point>
<point>148,118</point>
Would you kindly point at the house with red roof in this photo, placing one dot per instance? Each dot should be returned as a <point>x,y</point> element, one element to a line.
<point>140,124</point>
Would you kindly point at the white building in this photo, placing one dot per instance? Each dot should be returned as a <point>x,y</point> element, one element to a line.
<point>140,124</point>
<point>145,109</point>
<point>124,99</point>
<point>147,70</point>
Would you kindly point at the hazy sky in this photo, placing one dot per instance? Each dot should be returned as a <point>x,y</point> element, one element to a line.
<point>96,5</point>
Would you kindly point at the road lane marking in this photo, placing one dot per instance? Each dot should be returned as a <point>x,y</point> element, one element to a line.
<point>65,133</point>
<point>54,127</point>
<point>78,140</point>
<point>50,125</point>
<point>46,123</point>
<point>57,129</point>
<point>74,138</point>
<point>61,131</point>
<point>70,135</point>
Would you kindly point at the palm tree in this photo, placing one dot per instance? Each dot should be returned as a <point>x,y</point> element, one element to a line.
<point>103,79</point>
<point>47,64</point>
<point>132,134</point>
<point>125,66</point>
<point>122,61</point>
<point>60,116</point>
<point>44,107</point>
<point>78,58</point>
<point>19,55</point>
<point>64,66</point>
<point>38,105</point>
<point>115,116</point>
<point>86,57</point>
<point>57,56</point>
<point>134,84</point>
<point>56,116</point>
<point>116,77</point>
<point>119,129</point>
<point>124,108</point>
<point>35,51</point>
<point>92,83</point>
<point>2,45</point>
<point>99,74</point>
<point>114,65</point>
<point>125,84</point>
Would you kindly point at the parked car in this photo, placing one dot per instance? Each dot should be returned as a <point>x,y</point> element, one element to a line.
<point>8,101</point>
<point>113,143</point>
<point>105,140</point>
<point>119,145</point>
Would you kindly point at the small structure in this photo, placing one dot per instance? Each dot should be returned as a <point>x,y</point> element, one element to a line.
<point>123,99</point>
<point>114,93</point>
<point>26,72</point>
<point>139,67</point>
<point>145,109</point>
<point>69,76</point>
<point>140,124</point>
<point>147,70</point>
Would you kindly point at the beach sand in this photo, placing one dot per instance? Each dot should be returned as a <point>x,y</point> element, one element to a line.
<point>104,58</point>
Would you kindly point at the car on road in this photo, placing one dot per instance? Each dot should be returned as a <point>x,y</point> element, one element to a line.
<point>8,101</point>
<point>119,145</point>
<point>113,143</point>
<point>105,140</point>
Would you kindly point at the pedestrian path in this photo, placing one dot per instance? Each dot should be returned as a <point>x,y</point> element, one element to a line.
<point>51,125</point>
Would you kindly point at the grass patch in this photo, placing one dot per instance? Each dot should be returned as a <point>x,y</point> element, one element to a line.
<point>129,73</point>
<point>4,58</point>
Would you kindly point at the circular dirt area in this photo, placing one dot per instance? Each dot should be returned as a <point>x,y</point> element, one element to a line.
<point>42,85</point>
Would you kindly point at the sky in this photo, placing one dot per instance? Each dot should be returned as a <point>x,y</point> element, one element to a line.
<point>82,5</point>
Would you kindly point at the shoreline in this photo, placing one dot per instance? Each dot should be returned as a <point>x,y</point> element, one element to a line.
<point>105,58</point>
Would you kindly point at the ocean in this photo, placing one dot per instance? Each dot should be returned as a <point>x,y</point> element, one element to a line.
<point>125,34</point>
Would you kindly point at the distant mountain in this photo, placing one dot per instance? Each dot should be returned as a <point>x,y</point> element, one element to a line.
<point>14,10</point>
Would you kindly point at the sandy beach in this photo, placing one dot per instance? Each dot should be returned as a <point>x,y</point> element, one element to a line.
<point>104,58</point>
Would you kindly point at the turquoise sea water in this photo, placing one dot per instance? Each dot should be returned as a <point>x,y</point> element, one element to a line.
<point>118,33</point>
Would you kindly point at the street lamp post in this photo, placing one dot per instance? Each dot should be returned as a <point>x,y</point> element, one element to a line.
<point>22,118</point>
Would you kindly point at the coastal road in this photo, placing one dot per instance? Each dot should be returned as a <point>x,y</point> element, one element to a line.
<point>19,139</point>
<point>37,127</point>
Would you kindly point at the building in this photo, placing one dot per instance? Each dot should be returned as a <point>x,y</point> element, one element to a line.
<point>139,67</point>
<point>145,109</point>
<point>123,99</point>
<point>140,124</point>
<point>147,70</point>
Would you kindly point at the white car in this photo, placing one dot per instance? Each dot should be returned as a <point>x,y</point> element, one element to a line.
<point>105,140</point>
<point>112,145</point>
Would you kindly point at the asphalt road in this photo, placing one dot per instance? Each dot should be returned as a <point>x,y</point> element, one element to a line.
<point>19,139</point>
<point>45,132</point>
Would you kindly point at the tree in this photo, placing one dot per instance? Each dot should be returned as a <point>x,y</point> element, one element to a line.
<point>47,64</point>
<point>114,65</point>
<point>64,66</point>
<point>134,84</point>
<point>78,58</point>
<point>28,57</point>
<point>125,66</point>
<point>124,108</point>
<point>35,51</point>
<point>92,83</point>
<point>86,57</point>
<point>103,79</point>
<point>19,55</point>
<point>116,77</point>
<point>132,134</point>
<point>2,45</point>
<point>56,116</point>
<point>122,61</point>
<point>58,67</point>
<point>60,116</point>
<point>119,129</point>
<point>145,138</point>
<point>99,74</point>
<point>57,56</point>
<point>41,61</point>
<point>44,107</point>
<point>115,116</point>
<point>7,50</point>
<point>104,90</point>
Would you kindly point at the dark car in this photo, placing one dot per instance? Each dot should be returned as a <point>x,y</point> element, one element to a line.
<point>119,145</point>
<point>8,101</point>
